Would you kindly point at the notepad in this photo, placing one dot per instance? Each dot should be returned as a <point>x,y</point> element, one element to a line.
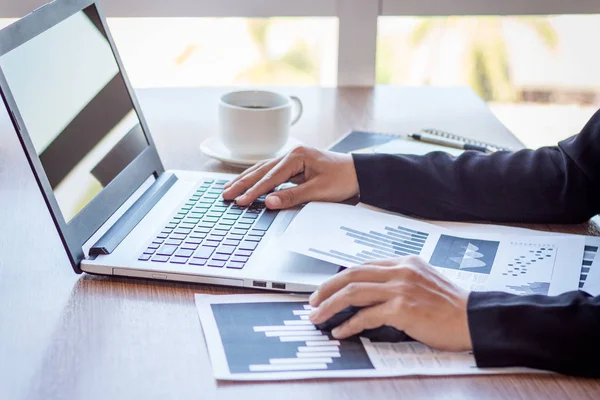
<point>385,143</point>
<point>407,146</point>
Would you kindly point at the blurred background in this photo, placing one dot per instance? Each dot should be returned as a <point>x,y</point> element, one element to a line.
<point>539,74</point>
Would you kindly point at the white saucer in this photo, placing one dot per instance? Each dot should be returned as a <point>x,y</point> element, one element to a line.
<point>214,147</point>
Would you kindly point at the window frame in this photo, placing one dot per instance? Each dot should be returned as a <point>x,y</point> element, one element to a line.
<point>358,19</point>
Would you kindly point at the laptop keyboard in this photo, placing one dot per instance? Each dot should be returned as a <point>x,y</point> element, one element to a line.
<point>208,231</point>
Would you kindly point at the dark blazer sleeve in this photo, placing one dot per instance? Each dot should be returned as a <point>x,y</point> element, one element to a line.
<point>558,333</point>
<point>551,185</point>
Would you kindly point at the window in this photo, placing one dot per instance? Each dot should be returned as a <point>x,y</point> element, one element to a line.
<point>227,51</point>
<point>536,72</point>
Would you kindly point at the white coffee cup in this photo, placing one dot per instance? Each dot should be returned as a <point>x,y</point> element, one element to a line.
<point>256,124</point>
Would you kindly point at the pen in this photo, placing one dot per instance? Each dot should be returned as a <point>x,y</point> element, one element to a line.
<point>423,137</point>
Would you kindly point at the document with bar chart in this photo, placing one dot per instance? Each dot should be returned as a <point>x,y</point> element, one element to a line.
<point>269,337</point>
<point>521,264</point>
<point>350,236</point>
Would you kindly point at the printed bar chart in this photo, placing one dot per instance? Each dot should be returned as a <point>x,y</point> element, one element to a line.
<point>261,337</point>
<point>588,258</point>
<point>392,242</point>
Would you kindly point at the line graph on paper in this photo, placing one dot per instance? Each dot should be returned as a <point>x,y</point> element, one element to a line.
<point>391,242</point>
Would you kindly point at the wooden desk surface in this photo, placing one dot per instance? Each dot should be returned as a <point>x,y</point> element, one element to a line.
<point>64,336</point>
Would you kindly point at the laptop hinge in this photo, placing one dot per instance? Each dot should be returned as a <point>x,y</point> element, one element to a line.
<point>129,220</point>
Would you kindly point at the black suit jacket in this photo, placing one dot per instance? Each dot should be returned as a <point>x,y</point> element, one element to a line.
<point>551,185</point>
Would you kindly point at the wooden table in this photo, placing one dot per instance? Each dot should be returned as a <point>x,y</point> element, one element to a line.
<point>64,336</point>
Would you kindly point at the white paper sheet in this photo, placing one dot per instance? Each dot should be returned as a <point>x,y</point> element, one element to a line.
<point>245,341</point>
<point>590,264</point>
<point>520,264</point>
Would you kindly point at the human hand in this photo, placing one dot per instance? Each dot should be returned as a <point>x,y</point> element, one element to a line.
<point>406,293</point>
<point>320,176</point>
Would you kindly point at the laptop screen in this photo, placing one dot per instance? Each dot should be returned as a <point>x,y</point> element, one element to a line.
<point>76,107</point>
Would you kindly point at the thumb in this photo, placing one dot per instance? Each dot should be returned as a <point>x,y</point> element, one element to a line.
<point>291,197</point>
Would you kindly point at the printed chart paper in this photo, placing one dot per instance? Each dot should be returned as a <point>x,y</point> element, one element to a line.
<point>520,264</point>
<point>269,337</point>
<point>588,263</point>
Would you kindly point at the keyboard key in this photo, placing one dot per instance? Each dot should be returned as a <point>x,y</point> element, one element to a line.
<point>249,216</point>
<point>182,231</point>
<point>193,240</point>
<point>178,217</point>
<point>221,182</point>
<point>171,226</point>
<point>206,225</point>
<point>167,250</point>
<point>215,214</point>
<point>209,243</point>
<point>184,253</point>
<point>231,242</point>
<point>240,259</point>
<point>186,225</point>
<point>211,196</point>
<point>162,235</point>
<point>166,231</point>
<point>178,236</point>
<point>198,261</point>
<point>230,217</point>
<point>222,227</point>
<point>248,245</point>
<point>244,223</point>
<point>227,222</point>
<point>210,219</point>
<point>173,242</point>
<point>243,253</point>
<point>257,233</point>
<point>190,246</point>
<point>179,260</point>
<point>154,246</point>
<point>207,201</point>
<point>219,208</point>
<point>234,212</point>
<point>253,238</point>
<point>214,238</point>
<point>197,235</point>
<point>204,252</point>
<point>265,220</point>
<point>224,249</point>
<point>201,230</point>
<point>218,233</point>
<point>243,228</point>
<point>160,258</point>
<point>216,263</point>
<point>235,236</point>
<point>235,265</point>
<point>221,257</point>
<point>145,257</point>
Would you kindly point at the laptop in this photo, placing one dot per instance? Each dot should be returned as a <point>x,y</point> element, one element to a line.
<point>116,209</point>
